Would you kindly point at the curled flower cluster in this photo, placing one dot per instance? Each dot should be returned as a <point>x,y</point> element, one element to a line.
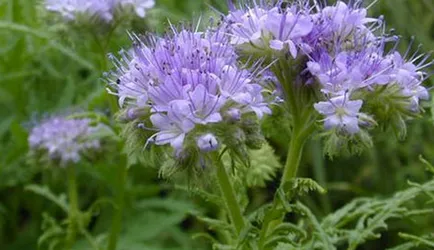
<point>100,9</point>
<point>342,50</point>
<point>186,83</point>
<point>64,139</point>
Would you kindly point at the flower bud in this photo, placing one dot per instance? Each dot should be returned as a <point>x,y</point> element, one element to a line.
<point>207,143</point>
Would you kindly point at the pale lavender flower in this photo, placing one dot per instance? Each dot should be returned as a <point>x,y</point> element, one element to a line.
<point>247,26</point>
<point>139,6</point>
<point>410,77</point>
<point>349,70</point>
<point>185,80</point>
<point>341,20</point>
<point>271,27</point>
<point>104,10</point>
<point>71,9</point>
<point>288,27</point>
<point>64,139</point>
<point>340,113</point>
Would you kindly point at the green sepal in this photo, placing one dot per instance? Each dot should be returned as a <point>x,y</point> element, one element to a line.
<point>338,144</point>
<point>389,107</point>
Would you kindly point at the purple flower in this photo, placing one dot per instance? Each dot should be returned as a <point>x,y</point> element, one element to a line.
<point>139,6</point>
<point>288,27</point>
<point>247,26</point>
<point>345,59</point>
<point>64,139</point>
<point>104,10</point>
<point>342,20</point>
<point>184,81</point>
<point>410,77</point>
<point>173,125</point>
<point>340,113</point>
<point>70,9</point>
<point>270,27</point>
<point>349,70</point>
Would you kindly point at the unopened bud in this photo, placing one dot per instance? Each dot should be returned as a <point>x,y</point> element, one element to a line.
<point>207,143</point>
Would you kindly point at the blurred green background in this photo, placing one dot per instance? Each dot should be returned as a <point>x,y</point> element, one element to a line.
<point>46,68</point>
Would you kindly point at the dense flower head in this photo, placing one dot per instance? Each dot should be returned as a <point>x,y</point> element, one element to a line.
<point>104,10</point>
<point>342,51</point>
<point>64,139</point>
<point>186,81</point>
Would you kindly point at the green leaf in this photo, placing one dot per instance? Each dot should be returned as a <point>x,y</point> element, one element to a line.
<point>41,34</point>
<point>52,232</point>
<point>263,166</point>
<point>286,246</point>
<point>428,165</point>
<point>426,241</point>
<point>45,191</point>
<point>322,236</point>
<point>214,224</point>
<point>303,186</point>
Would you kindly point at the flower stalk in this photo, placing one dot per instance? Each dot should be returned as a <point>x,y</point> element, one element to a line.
<point>228,193</point>
<point>74,211</point>
<point>295,152</point>
<point>120,202</point>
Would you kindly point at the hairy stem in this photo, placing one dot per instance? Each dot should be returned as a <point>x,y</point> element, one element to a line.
<point>295,150</point>
<point>228,193</point>
<point>298,105</point>
<point>120,202</point>
<point>293,158</point>
<point>73,208</point>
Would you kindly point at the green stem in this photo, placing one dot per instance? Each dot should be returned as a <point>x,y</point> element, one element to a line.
<point>295,151</point>
<point>73,208</point>
<point>120,202</point>
<point>293,158</point>
<point>319,173</point>
<point>229,195</point>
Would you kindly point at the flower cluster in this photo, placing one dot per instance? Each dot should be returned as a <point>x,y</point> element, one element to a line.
<point>186,83</point>
<point>342,50</point>
<point>104,10</point>
<point>64,139</point>
<point>271,27</point>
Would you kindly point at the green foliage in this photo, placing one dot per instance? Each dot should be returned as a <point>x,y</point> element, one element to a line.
<point>303,186</point>
<point>45,192</point>
<point>261,169</point>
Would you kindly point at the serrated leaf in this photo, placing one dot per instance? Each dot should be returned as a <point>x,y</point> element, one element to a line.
<point>263,166</point>
<point>206,196</point>
<point>303,186</point>
<point>287,228</point>
<point>214,224</point>
<point>322,236</point>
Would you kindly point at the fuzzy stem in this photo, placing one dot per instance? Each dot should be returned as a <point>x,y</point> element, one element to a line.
<point>73,208</point>
<point>295,150</point>
<point>120,202</point>
<point>293,158</point>
<point>229,195</point>
<point>302,127</point>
